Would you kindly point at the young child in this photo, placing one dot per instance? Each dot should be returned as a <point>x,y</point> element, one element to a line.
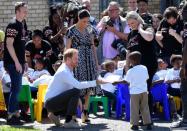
<point>109,90</point>
<point>174,81</point>
<point>137,77</point>
<point>45,79</point>
<point>160,75</point>
<point>39,70</point>
<point>172,76</point>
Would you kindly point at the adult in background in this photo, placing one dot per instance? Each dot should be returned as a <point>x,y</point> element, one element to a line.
<point>87,4</point>
<point>169,34</point>
<point>143,10</point>
<point>14,59</point>
<point>167,3</point>
<point>37,48</point>
<point>55,31</point>
<point>132,6</point>
<point>141,39</point>
<point>64,91</point>
<point>156,22</point>
<point>112,27</point>
<point>80,37</point>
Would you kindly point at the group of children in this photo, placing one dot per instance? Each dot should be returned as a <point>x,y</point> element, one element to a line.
<point>136,77</point>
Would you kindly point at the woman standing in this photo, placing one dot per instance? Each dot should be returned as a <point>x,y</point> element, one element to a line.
<point>79,36</point>
<point>141,39</point>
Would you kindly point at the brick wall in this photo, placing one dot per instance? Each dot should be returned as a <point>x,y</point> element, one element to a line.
<point>38,11</point>
<point>154,6</point>
<point>37,16</point>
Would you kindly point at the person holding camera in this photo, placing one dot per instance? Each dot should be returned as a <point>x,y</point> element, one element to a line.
<point>111,28</point>
<point>169,34</point>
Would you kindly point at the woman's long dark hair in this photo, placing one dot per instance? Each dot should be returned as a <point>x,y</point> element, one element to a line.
<point>53,11</point>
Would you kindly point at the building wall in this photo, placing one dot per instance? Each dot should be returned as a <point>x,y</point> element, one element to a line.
<point>39,11</point>
<point>37,16</point>
<point>154,6</point>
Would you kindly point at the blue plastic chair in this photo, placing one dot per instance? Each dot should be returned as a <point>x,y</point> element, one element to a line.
<point>79,112</point>
<point>123,98</point>
<point>159,94</point>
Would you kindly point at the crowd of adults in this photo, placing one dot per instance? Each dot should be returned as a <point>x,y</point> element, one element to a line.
<point>83,46</point>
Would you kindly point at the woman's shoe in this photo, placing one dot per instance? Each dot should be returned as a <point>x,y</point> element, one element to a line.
<point>84,117</point>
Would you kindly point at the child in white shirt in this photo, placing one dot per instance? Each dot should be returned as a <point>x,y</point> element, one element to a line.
<point>172,76</point>
<point>137,77</point>
<point>160,75</point>
<point>174,81</point>
<point>39,70</point>
<point>109,90</point>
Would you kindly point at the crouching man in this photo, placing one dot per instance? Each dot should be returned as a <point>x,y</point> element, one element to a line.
<point>64,90</point>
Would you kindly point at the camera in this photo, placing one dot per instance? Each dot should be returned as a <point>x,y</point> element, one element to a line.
<point>147,18</point>
<point>119,45</point>
<point>110,22</point>
<point>69,10</point>
<point>165,32</point>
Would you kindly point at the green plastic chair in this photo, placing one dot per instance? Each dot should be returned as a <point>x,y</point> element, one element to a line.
<point>25,96</point>
<point>94,101</point>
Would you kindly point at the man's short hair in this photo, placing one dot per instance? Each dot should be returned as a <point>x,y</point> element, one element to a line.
<point>69,53</point>
<point>174,58</point>
<point>171,12</point>
<point>135,56</point>
<point>18,5</point>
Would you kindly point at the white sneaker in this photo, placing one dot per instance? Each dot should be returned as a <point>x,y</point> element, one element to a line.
<point>54,119</point>
<point>72,124</point>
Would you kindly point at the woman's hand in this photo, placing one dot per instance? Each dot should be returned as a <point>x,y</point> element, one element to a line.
<point>111,29</point>
<point>172,32</point>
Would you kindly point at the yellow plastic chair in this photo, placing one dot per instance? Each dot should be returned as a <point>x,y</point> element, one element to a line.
<point>177,101</point>
<point>39,102</point>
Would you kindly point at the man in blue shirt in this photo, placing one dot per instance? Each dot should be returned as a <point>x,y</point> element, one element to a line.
<point>64,91</point>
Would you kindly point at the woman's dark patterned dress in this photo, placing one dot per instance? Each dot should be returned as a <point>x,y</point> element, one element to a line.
<point>86,69</point>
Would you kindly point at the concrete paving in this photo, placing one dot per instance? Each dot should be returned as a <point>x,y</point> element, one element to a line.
<point>98,123</point>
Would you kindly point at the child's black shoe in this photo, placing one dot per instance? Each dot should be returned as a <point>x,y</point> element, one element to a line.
<point>134,127</point>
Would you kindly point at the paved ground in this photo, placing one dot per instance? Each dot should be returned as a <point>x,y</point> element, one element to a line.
<point>99,124</point>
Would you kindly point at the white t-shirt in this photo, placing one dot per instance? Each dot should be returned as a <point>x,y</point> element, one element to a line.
<point>172,75</point>
<point>44,79</point>
<point>159,75</point>
<point>63,81</point>
<point>110,77</point>
<point>2,70</point>
<point>137,78</point>
<point>5,80</point>
<point>37,74</point>
<point>119,72</point>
